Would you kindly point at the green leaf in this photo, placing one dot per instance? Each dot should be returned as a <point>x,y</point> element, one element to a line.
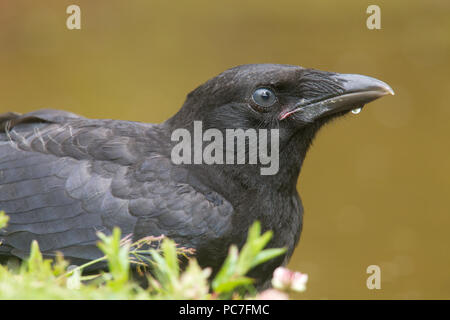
<point>3,219</point>
<point>117,257</point>
<point>254,231</point>
<point>35,260</point>
<point>228,268</point>
<point>232,284</point>
<point>166,268</point>
<point>170,255</point>
<point>232,274</point>
<point>255,243</point>
<point>36,265</point>
<point>267,255</point>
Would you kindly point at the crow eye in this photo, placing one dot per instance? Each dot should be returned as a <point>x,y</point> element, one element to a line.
<point>264,97</point>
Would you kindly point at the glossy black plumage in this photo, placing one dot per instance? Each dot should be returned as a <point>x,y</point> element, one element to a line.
<point>64,177</point>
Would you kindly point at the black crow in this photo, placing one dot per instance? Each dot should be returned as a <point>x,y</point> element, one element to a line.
<point>64,177</point>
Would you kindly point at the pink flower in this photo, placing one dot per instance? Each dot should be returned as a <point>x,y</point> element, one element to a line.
<point>272,294</point>
<point>285,279</point>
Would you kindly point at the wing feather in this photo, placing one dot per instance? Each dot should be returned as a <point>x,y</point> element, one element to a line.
<point>63,178</point>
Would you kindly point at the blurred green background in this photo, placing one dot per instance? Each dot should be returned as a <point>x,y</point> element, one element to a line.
<point>375,186</point>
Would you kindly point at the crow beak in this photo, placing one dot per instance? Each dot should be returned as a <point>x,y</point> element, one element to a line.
<point>355,91</point>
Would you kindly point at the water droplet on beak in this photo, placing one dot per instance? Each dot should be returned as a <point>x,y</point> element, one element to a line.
<point>356,111</point>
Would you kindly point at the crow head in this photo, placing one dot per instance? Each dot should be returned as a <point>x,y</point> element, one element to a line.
<point>295,100</point>
<point>277,96</point>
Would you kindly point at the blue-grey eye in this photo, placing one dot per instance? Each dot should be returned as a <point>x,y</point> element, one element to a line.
<point>264,97</point>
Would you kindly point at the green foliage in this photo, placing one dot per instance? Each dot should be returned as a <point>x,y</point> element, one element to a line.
<point>3,219</point>
<point>167,282</point>
<point>117,257</point>
<point>236,266</point>
<point>40,278</point>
